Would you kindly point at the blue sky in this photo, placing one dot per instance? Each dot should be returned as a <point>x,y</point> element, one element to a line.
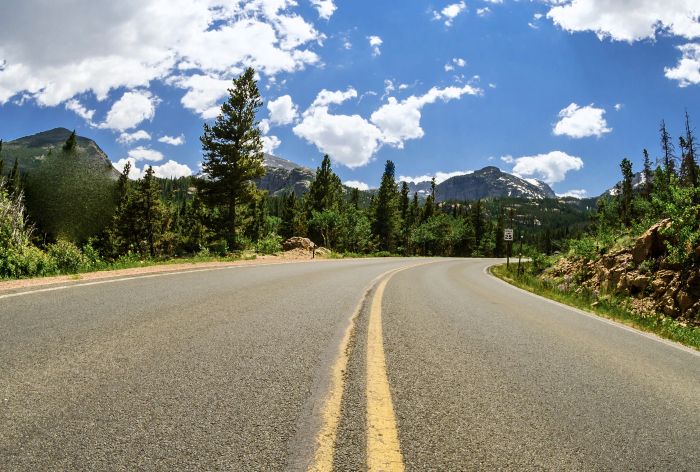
<point>558,90</point>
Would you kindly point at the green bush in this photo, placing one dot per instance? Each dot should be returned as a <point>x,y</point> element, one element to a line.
<point>584,248</point>
<point>67,257</point>
<point>270,244</point>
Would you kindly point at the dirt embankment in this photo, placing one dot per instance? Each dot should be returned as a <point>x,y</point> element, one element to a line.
<point>641,272</point>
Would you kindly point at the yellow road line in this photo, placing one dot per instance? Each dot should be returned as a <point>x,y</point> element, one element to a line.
<point>383,448</point>
<point>380,413</point>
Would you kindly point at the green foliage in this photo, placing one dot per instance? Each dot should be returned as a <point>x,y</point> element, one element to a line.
<point>326,190</point>
<point>233,155</point>
<point>585,248</point>
<point>386,212</point>
<point>327,223</point>
<point>67,257</point>
<point>270,244</point>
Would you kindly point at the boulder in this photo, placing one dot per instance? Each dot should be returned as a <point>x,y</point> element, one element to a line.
<point>650,244</point>
<point>640,282</point>
<point>297,242</point>
<point>685,301</point>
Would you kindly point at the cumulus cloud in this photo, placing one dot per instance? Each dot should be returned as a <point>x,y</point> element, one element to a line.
<point>131,110</point>
<point>456,62</point>
<point>356,184</point>
<point>630,20</point>
<point>375,43</point>
<point>147,40</point>
<point>440,177</point>
<point>170,169</point>
<point>576,193</point>
<point>270,143</point>
<point>400,120</point>
<point>282,110</point>
<point>76,107</point>
<point>128,138</point>
<point>348,139</point>
<point>352,140</point>
<point>145,154</point>
<point>581,122</point>
<point>687,71</point>
<point>325,8</point>
<point>450,12</point>
<point>550,168</point>
<point>483,11</point>
<point>203,93</point>
<point>172,140</point>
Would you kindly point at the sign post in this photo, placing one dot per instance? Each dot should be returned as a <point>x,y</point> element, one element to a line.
<point>508,237</point>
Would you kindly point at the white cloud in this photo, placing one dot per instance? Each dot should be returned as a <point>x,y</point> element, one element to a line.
<point>282,111</point>
<point>581,122</point>
<point>375,42</point>
<point>348,139</point>
<point>550,168</point>
<point>173,140</point>
<point>450,12</point>
<point>170,169</point>
<point>628,20</point>
<point>440,177</point>
<point>576,193</point>
<point>203,93</point>
<point>270,143</point>
<point>356,184</point>
<point>352,140</point>
<point>145,154</point>
<point>131,110</point>
<point>128,138</point>
<point>483,11</point>
<point>147,40</point>
<point>618,106</point>
<point>687,71</point>
<point>76,107</point>
<point>400,120</point>
<point>456,62</point>
<point>327,97</point>
<point>325,8</point>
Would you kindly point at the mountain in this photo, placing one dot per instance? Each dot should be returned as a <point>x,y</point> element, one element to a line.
<point>489,182</point>
<point>637,183</point>
<point>31,151</point>
<point>282,176</point>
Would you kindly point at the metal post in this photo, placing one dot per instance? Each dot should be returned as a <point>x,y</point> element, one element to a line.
<point>520,254</point>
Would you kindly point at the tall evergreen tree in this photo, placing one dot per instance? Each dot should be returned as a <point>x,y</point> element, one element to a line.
<point>233,153</point>
<point>70,143</point>
<point>429,208</point>
<point>326,191</point>
<point>689,165</point>
<point>150,210</point>
<point>14,183</point>
<point>669,159</point>
<point>626,191</point>
<point>288,215</point>
<point>355,198</point>
<point>499,249</point>
<point>386,210</point>
<point>648,174</point>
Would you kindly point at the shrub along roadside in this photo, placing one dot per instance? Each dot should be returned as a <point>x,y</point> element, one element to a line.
<point>612,308</point>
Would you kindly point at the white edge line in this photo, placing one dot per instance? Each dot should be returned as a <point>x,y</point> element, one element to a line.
<point>146,276</point>
<point>607,321</point>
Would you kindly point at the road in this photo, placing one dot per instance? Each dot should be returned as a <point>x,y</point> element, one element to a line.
<point>379,364</point>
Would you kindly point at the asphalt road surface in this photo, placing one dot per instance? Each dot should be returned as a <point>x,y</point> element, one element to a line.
<point>379,364</point>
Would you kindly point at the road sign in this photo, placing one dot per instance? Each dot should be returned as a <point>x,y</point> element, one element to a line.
<point>508,234</point>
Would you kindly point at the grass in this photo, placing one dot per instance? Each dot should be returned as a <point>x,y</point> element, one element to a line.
<point>608,307</point>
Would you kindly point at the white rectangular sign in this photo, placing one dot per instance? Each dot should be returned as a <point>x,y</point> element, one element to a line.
<point>508,234</point>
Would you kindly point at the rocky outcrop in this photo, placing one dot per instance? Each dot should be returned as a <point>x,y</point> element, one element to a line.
<point>297,242</point>
<point>640,272</point>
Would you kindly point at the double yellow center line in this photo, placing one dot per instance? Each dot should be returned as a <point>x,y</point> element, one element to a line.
<point>383,447</point>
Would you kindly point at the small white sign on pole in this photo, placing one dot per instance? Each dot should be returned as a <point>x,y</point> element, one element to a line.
<point>508,234</point>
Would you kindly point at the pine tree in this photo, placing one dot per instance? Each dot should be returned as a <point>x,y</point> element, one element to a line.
<point>386,211</point>
<point>70,143</point>
<point>233,153</point>
<point>325,192</point>
<point>150,210</point>
<point>669,159</point>
<point>648,176</point>
<point>429,208</point>
<point>355,198</point>
<point>288,215</point>
<point>626,192</point>
<point>499,249</point>
<point>689,165</point>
